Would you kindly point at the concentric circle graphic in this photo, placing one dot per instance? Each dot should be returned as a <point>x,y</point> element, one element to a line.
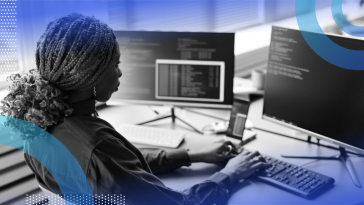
<point>342,22</point>
<point>321,44</point>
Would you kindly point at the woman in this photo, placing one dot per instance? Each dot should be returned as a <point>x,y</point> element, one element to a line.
<point>77,63</point>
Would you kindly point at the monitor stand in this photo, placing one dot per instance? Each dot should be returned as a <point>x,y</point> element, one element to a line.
<point>343,157</point>
<point>174,117</point>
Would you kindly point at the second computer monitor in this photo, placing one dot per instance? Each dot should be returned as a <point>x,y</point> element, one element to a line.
<point>305,92</point>
<point>176,68</point>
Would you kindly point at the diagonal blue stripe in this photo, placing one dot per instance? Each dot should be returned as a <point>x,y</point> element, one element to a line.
<point>66,164</point>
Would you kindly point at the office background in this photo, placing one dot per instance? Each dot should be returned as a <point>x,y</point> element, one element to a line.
<point>29,18</point>
<point>23,21</point>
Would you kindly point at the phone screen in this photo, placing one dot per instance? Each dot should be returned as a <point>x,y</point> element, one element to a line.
<point>238,118</point>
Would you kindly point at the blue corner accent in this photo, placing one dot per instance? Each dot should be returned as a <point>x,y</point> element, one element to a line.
<point>321,44</point>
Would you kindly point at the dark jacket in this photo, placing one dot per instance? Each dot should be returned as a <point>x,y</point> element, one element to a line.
<point>113,165</point>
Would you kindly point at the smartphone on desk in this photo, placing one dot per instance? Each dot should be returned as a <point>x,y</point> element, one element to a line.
<point>238,118</point>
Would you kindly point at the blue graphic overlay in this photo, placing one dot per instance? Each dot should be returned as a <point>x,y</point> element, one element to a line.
<point>44,144</point>
<point>321,44</point>
<point>34,15</point>
<point>342,22</point>
<point>8,40</point>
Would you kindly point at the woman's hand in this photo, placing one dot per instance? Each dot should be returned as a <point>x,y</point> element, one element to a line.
<point>244,165</point>
<point>219,152</point>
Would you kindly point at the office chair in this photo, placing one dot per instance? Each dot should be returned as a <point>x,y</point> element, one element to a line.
<point>54,198</point>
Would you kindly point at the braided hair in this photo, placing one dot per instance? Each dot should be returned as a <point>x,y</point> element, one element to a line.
<point>75,51</point>
<point>73,54</point>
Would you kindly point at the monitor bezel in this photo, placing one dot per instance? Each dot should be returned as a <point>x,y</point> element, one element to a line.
<point>169,104</point>
<point>316,135</point>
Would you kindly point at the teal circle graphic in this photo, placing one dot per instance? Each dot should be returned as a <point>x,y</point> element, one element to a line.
<point>66,170</point>
<point>342,22</point>
<point>321,44</point>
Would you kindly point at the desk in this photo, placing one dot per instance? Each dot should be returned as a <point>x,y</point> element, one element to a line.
<point>249,192</point>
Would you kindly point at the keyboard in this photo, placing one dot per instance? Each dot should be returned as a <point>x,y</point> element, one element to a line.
<point>292,178</point>
<point>151,136</point>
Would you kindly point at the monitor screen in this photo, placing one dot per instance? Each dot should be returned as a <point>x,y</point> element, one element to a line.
<point>308,93</point>
<point>238,118</point>
<point>176,68</point>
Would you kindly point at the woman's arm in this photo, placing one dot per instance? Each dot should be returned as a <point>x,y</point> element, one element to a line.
<point>161,161</point>
<point>116,169</point>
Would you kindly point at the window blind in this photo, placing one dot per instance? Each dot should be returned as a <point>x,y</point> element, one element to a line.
<point>236,14</point>
<point>186,15</point>
<point>279,9</point>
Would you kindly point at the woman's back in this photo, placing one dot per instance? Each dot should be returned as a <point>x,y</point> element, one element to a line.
<point>96,146</point>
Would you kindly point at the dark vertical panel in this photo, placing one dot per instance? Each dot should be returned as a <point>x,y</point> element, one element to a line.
<point>163,84</point>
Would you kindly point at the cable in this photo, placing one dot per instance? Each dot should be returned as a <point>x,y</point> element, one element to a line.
<point>156,112</point>
<point>204,114</point>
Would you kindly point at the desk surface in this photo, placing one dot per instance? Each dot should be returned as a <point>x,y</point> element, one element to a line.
<point>249,192</point>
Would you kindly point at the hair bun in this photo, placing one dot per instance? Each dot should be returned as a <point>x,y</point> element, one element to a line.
<point>34,100</point>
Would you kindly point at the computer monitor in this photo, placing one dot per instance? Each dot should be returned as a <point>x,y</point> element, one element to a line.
<point>307,93</point>
<point>184,69</point>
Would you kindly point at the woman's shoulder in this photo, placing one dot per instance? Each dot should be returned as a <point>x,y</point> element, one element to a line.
<point>88,131</point>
